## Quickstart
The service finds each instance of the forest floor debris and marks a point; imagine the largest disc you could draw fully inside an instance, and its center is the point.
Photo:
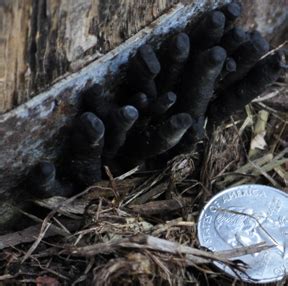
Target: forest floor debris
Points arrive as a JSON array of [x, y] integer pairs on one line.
[[140, 228]]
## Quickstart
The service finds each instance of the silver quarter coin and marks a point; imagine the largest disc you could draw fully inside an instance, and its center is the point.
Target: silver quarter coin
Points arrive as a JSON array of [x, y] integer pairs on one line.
[[243, 216]]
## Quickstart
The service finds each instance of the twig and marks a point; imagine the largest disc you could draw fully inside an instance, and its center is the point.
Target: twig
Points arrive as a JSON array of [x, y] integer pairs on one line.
[[253, 218], [37, 241], [164, 206], [29, 234], [155, 192], [193, 255]]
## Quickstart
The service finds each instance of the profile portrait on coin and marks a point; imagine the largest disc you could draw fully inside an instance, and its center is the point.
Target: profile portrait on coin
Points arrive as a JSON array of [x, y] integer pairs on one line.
[[240, 227]]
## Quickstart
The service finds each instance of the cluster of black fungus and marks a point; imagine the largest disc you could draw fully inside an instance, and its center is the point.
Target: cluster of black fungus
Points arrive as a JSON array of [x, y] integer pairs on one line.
[[210, 72]]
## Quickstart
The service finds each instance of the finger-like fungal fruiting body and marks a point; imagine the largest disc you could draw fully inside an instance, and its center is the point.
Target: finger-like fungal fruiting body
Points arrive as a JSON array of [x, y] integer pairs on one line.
[[163, 103], [264, 73], [173, 58], [194, 134], [198, 84], [142, 70], [95, 100], [159, 138], [246, 56], [140, 101], [208, 31], [87, 141], [119, 123], [146, 62], [233, 39], [229, 66], [232, 11], [42, 182]]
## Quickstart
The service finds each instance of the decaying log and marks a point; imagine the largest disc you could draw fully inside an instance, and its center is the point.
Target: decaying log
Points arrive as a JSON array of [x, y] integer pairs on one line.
[[60, 45], [35, 130]]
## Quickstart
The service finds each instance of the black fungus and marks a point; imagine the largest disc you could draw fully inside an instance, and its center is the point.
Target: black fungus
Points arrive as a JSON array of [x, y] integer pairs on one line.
[[194, 134], [233, 39], [173, 56], [119, 123], [159, 138], [142, 71], [146, 121], [162, 103], [229, 66], [208, 31], [140, 101], [264, 73], [198, 84], [95, 100], [86, 144], [232, 11], [42, 182], [246, 56]]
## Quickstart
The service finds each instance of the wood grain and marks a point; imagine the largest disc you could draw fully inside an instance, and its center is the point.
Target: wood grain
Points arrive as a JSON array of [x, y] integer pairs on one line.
[[42, 40]]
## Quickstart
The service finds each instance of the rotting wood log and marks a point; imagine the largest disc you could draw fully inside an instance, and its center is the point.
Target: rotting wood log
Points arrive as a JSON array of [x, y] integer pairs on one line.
[[36, 129]]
